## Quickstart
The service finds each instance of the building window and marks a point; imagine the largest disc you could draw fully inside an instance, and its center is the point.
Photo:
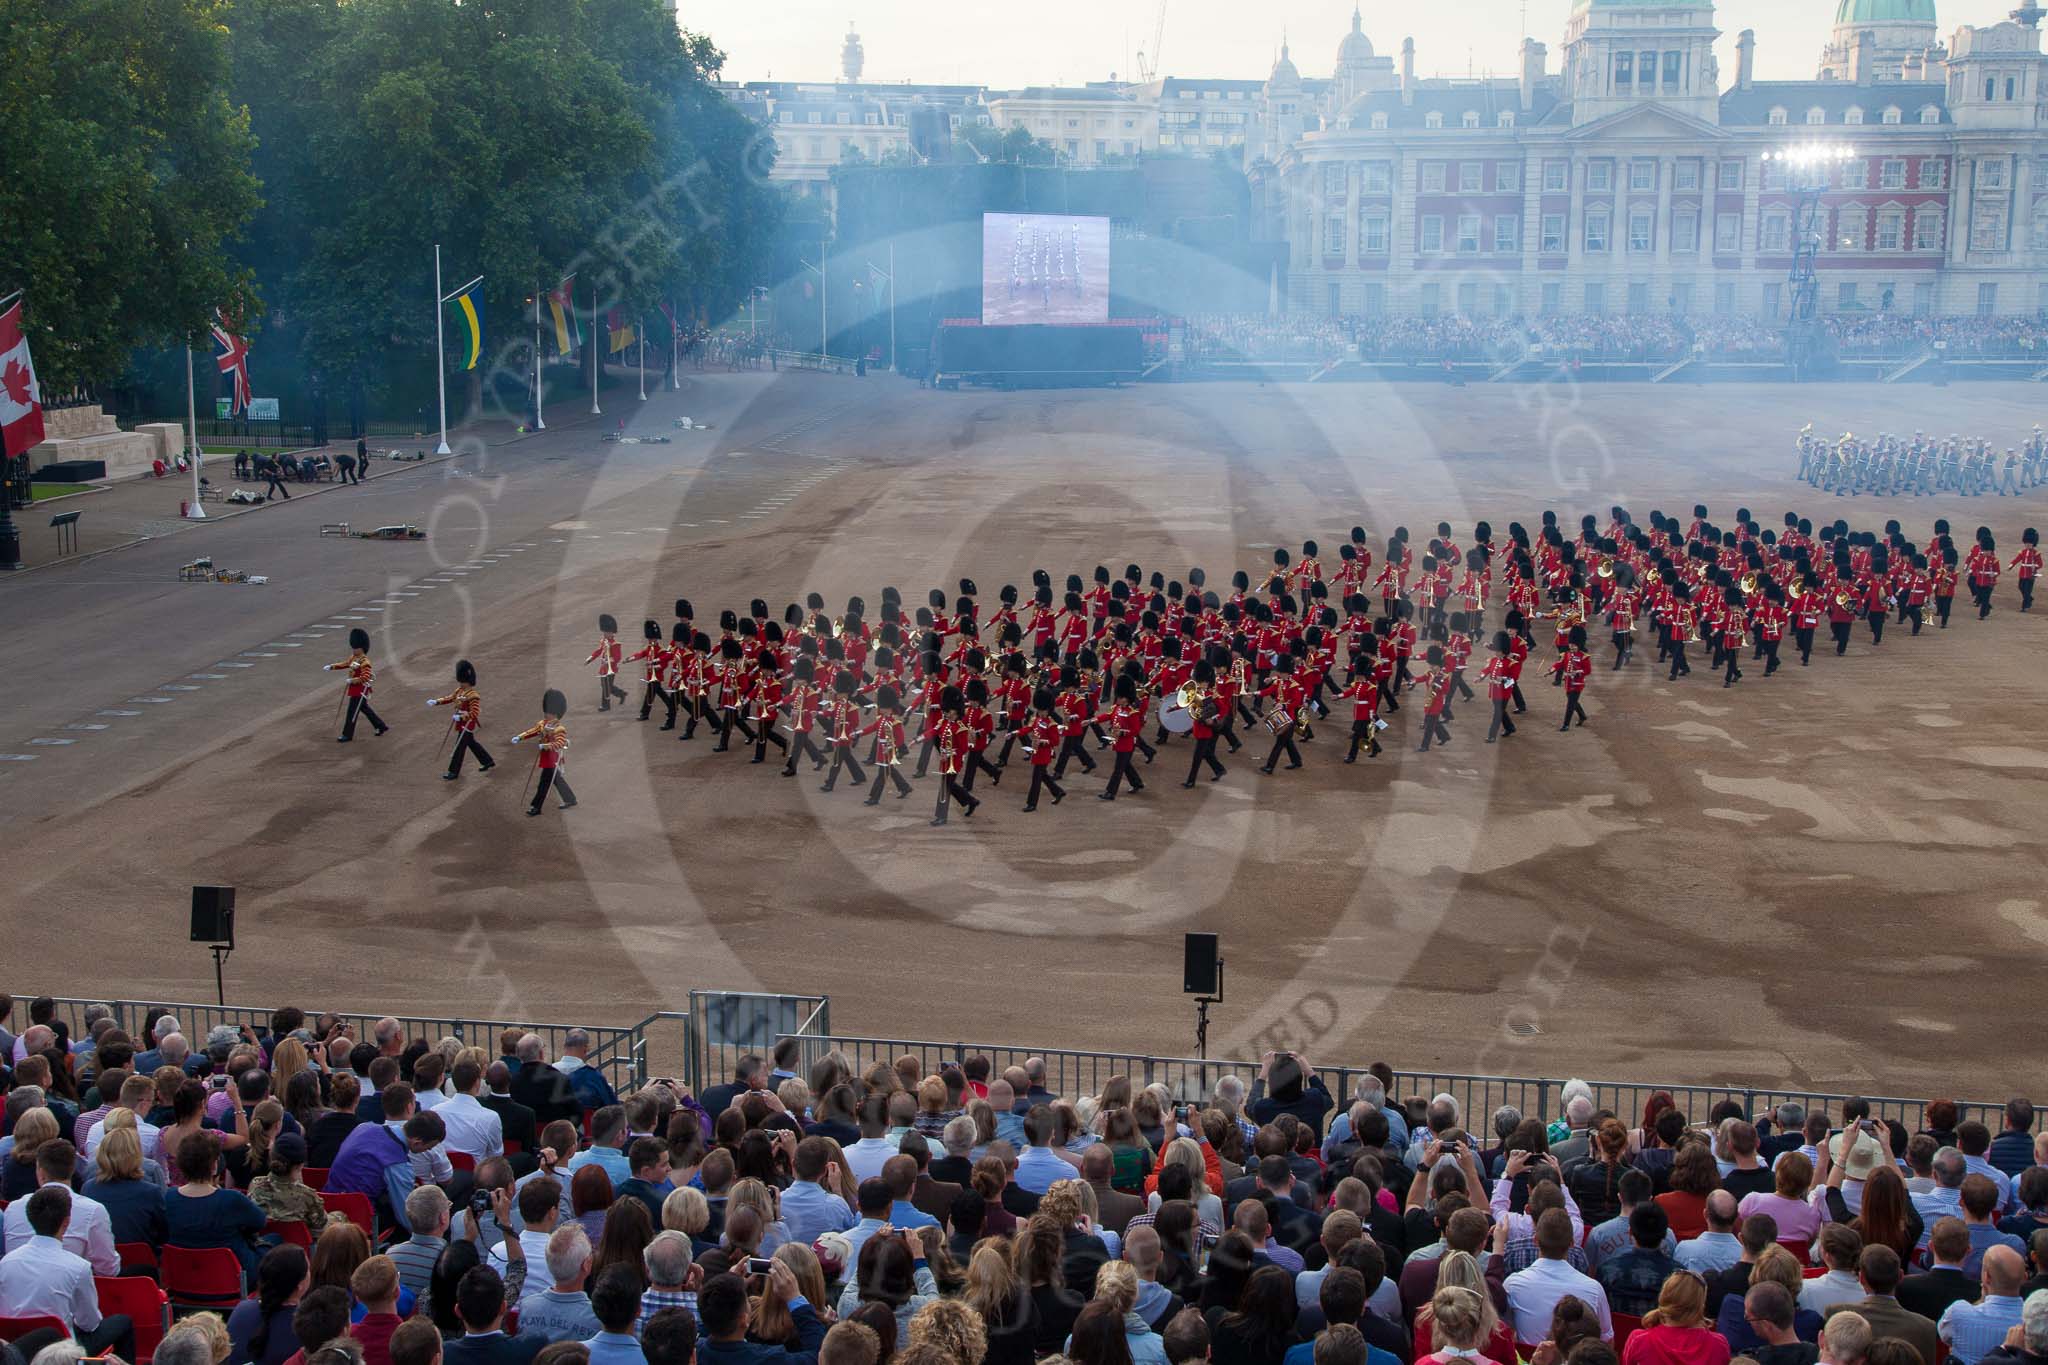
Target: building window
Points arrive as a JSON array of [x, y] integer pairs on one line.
[[1433, 119], [1600, 176], [1891, 174], [1672, 60], [1685, 231], [1724, 298], [1845, 294], [1596, 229], [1377, 177], [1639, 234], [1776, 232], [1468, 234], [1596, 300], [1816, 115], [1432, 232], [1777, 117], [1372, 234], [1432, 294], [1553, 234], [1681, 297], [1639, 298], [1551, 298], [1731, 175], [1852, 115], [1468, 177], [1554, 173], [2037, 231], [1774, 298], [843, 116], [1991, 174], [1468, 299], [2008, 87], [1728, 233], [1933, 173], [1432, 177], [1507, 232], [1506, 119], [1507, 177], [1333, 235], [1470, 119], [1851, 223], [1930, 113], [1333, 177], [1624, 70], [1642, 174], [1987, 300], [1774, 175], [1379, 119], [1927, 230], [1686, 175], [1101, 150], [1891, 114], [1891, 230]]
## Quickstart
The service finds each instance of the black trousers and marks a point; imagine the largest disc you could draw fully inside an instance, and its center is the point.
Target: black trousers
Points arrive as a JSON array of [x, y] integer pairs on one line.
[[1802, 636], [1070, 747], [1010, 738], [1942, 606], [924, 756], [1734, 664], [730, 720], [1205, 752], [1500, 724], [1876, 620], [1521, 703], [764, 738], [1982, 593], [1623, 642], [607, 688], [277, 489], [1041, 776], [1283, 742], [1122, 772], [1840, 630], [1362, 737], [552, 777], [804, 745], [1433, 727], [653, 694], [1227, 732], [887, 772], [1679, 667], [465, 743], [1917, 615], [842, 757], [360, 706], [1573, 708], [977, 761], [1770, 657], [950, 790], [2026, 594], [694, 707]]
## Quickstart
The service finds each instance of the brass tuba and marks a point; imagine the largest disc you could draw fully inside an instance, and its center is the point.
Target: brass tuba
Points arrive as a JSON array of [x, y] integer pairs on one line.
[[1750, 582]]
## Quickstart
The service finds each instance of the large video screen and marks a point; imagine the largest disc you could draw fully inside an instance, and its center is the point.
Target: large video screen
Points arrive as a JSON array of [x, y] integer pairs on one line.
[[1044, 268]]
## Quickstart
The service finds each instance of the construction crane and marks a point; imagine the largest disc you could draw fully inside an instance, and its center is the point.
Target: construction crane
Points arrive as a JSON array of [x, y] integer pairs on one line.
[[1148, 57]]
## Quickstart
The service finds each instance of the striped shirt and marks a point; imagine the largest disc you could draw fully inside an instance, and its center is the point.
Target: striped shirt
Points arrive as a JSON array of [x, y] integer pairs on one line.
[[415, 1261], [1973, 1329]]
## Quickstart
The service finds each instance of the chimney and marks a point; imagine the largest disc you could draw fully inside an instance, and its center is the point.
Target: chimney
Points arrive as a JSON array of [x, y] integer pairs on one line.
[[1863, 58], [1745, 59], [1532, 71], [1915, 67], [1407, 71]]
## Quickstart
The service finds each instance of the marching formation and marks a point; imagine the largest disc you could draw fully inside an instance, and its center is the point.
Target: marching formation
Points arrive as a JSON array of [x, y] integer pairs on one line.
[[1891, 466], [956, 689]]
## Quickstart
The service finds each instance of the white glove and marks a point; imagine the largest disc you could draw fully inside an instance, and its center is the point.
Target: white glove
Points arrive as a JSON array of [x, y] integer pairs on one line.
[[327, 668], [433, 701], [515, 739]]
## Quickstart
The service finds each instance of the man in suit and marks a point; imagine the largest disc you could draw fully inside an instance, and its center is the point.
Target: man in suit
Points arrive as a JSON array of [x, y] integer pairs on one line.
[[1116, 1207], [1878, 1269], [929, 1196], [519, 1124], [955, 1167], [723, 1313], [1575, 1146], [541, 1088], [749, 1073], [1931, 1292], [480, 1303]]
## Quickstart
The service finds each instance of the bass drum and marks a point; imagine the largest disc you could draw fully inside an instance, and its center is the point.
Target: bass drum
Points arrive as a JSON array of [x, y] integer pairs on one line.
[[1174, 716]]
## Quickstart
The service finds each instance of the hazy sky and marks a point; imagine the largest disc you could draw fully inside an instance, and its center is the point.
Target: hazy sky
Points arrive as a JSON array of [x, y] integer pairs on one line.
[[1001, 43]]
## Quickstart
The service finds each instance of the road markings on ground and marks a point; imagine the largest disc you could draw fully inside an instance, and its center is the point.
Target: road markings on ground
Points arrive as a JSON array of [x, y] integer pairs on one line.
[[150, 701], [120, 713], [17, 758], [230, 663], [180, 687], [211, 677], [307, 635], [53, 741], [84, 725], [256, 654]]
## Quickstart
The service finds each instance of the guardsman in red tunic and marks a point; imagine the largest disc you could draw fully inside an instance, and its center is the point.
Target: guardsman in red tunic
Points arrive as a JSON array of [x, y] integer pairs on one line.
[[1574, 667], [1770, 624], [1945, 585], [733, 679], [1013, 704], [469, 706], [1074, 709], [1984, 569], [1046, 734], [1124, 719], [1681, 618], [981, 732], [803, 713], [2027, 564], [1436, 685], [653, 660], [1208, 710], [1364, 696], [696, 682], [1806, 608], [1621, 616], [767, 705], [606, 657], [1842, 606], [1283, 717], [361, 676], [842, 727], [554, 748], [1734, 628], [1877, 594], [1498, 674], [1913, 594], [953, 738], [890, 742], [675, 663]]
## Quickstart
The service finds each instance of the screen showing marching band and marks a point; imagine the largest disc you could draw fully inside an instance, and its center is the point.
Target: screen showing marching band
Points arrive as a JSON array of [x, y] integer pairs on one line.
[[1044, 268]]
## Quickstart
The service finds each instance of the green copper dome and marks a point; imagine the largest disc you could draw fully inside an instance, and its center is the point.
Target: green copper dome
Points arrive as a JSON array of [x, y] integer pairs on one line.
[[1885, 12]]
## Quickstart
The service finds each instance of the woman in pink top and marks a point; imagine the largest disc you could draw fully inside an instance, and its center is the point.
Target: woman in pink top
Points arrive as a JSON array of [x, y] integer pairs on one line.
[[1675, 1332], [1798, 1220]]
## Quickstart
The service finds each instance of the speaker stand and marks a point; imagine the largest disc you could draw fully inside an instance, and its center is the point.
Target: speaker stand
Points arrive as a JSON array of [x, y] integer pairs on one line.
[[1202, 1003], [220, 957]]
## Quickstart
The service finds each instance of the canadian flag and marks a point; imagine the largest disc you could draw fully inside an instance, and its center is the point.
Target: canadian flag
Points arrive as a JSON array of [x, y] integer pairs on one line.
[[21, 402]]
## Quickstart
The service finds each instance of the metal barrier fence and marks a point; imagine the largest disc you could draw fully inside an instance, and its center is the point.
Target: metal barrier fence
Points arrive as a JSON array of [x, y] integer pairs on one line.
[[1073, 1072]]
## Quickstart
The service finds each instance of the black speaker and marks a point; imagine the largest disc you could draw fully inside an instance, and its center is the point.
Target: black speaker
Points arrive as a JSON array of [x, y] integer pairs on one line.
[[213, 915], [1198, 975]]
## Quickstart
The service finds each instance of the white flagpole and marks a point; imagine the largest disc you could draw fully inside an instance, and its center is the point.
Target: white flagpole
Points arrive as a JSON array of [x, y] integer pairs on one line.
[[193, 511], [596, 356], [675, 356], [640, 354], [892, 306], [539, 422], [440, 359]]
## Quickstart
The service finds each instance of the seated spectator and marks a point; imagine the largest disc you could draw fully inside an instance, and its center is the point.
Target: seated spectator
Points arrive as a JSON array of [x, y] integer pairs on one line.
[[199, 1213], [1887, 1217], [319, 1321], [1883, 1314], [374, 1288], [590, 1197], [1974, 1330], [1098, 1337], [1533, 1293], [427, 1213], [1945, 1281], [1462, 1322], [280, 1191], [1634, 1280], [1797, 1219], [31, 1131], [1840, 1248], [261, 1326], [1693, 1177], [1716, 1248], [332, 1127], [134, 1205], [723, 1314], [1774, 1264], [562, 1312], [615, 1302], [41, 1278], [1980, 1195], [1768, 1310], [1260, 1329], [1572, 1324], [891, 1270], [88, 1230], [1460, 1270], [480, 1306], [1675, 1332]]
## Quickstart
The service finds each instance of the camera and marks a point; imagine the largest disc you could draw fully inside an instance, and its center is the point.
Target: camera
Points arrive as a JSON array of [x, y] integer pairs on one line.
[[758, 1265], [479, 1202]]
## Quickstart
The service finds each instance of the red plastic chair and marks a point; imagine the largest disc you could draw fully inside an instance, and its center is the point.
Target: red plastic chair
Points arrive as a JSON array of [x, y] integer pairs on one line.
[[136, 1257], [461, 1161], [513, 1146], [314, 1176], [1624, 1325], [14, 1329], [209, 1277], [146, 1305], [292, 1231], [354, 1206]]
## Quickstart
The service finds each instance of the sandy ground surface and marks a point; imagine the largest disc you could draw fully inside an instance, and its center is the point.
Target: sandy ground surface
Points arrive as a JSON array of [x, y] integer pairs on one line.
[[1832, 879]]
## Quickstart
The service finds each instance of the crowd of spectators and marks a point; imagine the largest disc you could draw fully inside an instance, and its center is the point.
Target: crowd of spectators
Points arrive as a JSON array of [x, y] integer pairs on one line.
[[901, 1213], [1629, 338]]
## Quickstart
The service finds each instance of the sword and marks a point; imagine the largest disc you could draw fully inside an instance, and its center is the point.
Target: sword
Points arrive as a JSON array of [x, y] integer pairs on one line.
[[444, 739]]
